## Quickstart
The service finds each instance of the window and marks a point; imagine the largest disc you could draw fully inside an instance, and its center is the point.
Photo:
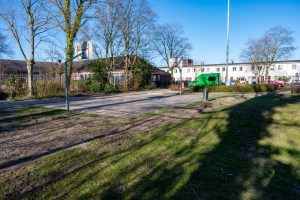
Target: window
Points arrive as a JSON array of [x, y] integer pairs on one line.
[[188, 70], [272, 67], [175, 70], [194, 69], [211, 78], [202, 69], [294, 66], [234, 69], [218, 69], [207, 69], [279, 67], [241, 68], [223, 69]]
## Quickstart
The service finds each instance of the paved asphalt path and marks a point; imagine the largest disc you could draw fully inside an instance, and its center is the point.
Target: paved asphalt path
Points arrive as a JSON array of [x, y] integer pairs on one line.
[[116, 105]]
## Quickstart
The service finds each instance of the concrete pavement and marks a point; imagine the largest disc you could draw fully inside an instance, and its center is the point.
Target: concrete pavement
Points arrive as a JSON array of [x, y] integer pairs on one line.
[[116, 105]]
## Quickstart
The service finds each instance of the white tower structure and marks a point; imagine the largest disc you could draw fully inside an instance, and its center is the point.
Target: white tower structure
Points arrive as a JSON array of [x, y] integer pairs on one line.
[[86, 48]]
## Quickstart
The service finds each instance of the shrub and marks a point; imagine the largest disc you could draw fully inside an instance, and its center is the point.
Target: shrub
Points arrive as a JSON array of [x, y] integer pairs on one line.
[[48, 88], [95, 87], [100, 75], [109, 88], [284, 79], [238, 88], [149, 87], [83, 86], [141, 74], [15, 87]]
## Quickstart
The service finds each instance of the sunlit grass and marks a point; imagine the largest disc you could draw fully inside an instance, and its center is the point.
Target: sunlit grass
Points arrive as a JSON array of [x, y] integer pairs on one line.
[[248, 151]]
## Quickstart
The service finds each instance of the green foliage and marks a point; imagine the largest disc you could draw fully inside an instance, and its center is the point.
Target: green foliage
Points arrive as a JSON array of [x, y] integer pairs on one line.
[[95, 86], [109, 88], [150, 86], [141, 74], [48, 88], [83, 85], [238, 88], [100, 75], [284, 79]]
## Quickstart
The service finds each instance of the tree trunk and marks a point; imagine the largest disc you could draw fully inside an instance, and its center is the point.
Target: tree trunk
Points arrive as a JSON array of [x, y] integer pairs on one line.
[[126, 73], [267, 74], [256, 74], [30, 62], [30, 78], [69, 55]]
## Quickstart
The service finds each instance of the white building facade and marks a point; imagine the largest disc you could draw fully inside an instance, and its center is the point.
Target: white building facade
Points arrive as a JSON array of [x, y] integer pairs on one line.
[[242, 72]]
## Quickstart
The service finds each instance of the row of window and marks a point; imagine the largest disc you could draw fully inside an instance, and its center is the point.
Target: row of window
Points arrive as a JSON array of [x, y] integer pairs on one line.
[[279, 67]]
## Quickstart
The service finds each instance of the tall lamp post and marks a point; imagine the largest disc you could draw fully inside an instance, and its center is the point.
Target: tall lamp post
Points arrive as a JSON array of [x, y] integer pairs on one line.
[[83, 56], [227, 47]]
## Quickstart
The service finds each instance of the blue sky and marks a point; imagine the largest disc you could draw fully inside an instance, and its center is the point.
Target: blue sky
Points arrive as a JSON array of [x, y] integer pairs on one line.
[[204, 23]]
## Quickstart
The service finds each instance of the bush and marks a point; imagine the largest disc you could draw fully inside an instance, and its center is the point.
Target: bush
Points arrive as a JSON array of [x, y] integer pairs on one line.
[[238, 88], [48, 88], [95, 87], [83, 86], [141, 74], [149, 87], [15, 87], [100, 75], [109, 88]]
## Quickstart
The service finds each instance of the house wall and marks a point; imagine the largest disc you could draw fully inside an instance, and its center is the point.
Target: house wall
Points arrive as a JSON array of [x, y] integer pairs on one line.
[[81, 75], [242, 71]]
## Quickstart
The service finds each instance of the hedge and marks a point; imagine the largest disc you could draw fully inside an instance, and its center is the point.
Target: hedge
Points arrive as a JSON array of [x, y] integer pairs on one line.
[[239, 88]]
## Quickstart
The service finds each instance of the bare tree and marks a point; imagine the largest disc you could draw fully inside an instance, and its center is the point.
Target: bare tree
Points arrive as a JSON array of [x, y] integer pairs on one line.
[[72, 16], [135, 20], [168, 42], [54, 55], [277, 43], [28, 24], [5, 48], [108, 30], [253, 54]]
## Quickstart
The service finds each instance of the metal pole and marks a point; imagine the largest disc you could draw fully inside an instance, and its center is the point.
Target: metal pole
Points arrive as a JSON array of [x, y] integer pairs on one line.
[[227, 48], [180, 81], [67, 86]]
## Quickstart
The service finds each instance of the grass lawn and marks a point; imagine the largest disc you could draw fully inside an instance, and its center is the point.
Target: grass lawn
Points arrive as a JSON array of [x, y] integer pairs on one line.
[[247, 151]]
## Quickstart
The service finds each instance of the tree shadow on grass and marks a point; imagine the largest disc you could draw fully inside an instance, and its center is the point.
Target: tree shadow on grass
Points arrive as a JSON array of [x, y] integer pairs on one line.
[[222, 159], [238, 167]]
